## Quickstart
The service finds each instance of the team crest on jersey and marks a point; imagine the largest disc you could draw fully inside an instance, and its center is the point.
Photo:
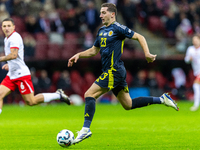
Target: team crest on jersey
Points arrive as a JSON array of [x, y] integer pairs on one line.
[[110, 33], [101, 34]]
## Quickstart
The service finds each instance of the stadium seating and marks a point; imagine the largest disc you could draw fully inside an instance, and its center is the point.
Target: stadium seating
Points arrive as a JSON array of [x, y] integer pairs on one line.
[[67, 51], [41, 36], [129, 77], [54, 79], [190, 79], [41, 50], [160, 79], [127, 54], [155, 24], [54, 51], [19, 24], [71, 39], [77, 83], [89, 79]]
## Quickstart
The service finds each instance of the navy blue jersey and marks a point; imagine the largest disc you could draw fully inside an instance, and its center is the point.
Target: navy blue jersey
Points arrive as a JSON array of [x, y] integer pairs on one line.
[[110, 40]]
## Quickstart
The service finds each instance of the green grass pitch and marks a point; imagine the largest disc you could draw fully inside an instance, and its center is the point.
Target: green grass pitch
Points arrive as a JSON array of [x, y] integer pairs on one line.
[[155, 127]]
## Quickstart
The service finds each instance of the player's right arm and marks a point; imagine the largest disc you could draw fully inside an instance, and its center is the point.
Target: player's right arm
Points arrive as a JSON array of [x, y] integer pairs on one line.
[[85, 54], [141, 39], [13, 55]]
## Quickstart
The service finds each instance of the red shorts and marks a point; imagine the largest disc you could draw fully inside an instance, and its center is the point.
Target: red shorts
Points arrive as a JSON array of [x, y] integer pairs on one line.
[[24, 84]]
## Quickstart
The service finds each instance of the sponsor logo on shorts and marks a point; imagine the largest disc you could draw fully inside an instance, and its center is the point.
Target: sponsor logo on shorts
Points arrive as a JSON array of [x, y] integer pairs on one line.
[[23, 91]]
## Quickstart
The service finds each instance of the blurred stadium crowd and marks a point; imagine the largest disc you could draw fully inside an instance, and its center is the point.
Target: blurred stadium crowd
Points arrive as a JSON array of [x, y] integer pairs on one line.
[[57, 29]]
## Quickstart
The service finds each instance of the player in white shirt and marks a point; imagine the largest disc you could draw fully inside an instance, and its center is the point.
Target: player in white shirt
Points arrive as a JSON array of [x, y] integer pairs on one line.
[[18, 75], [193, 57]]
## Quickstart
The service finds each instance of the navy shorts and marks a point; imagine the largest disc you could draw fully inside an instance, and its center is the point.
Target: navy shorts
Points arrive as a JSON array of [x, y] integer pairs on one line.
[[113, 79]]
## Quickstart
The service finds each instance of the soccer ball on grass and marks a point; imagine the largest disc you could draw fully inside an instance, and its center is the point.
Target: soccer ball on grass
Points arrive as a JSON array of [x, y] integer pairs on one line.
[[65, 138]]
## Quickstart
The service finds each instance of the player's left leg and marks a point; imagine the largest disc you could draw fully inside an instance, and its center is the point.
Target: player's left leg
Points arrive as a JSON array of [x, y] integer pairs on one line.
[[31, 100], [26, 89], [128, 103]]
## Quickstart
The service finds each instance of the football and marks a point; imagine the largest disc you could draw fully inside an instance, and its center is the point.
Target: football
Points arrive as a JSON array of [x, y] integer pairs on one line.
[[65, 138]]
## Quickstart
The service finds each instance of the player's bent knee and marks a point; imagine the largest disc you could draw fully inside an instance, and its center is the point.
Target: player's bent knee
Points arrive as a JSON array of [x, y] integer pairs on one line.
[[30, 103], [88, 94], [1, 96], [126, 107]]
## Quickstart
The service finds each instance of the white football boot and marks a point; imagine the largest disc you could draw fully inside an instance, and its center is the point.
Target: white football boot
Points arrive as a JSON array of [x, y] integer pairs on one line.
[[83, 134], [168, 101], [63, 96]]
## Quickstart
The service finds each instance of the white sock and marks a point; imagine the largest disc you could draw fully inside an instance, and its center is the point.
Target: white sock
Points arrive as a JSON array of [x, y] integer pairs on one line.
[[50, 96], [0, 111], [162, 100], [85, 128], [196, 88]]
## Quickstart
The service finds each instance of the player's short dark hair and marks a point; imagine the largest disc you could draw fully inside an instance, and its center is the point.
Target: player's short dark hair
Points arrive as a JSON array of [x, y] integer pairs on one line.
[[9, 19], [111, 7]]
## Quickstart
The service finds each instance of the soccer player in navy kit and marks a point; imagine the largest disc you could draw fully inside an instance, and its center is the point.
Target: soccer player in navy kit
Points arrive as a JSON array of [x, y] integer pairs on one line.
[[109, 42]]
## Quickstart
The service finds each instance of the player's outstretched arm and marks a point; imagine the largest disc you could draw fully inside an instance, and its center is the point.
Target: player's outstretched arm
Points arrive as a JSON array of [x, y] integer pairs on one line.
[[85, 54], [149, 57]]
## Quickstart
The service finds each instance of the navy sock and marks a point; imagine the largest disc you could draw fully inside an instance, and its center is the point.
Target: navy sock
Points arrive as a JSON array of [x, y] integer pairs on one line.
[[141, 102], [89, 111], [144, 101]]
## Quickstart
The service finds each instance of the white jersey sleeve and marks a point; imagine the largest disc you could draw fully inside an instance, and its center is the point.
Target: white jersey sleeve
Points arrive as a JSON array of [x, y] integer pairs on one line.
[[17, 67]]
